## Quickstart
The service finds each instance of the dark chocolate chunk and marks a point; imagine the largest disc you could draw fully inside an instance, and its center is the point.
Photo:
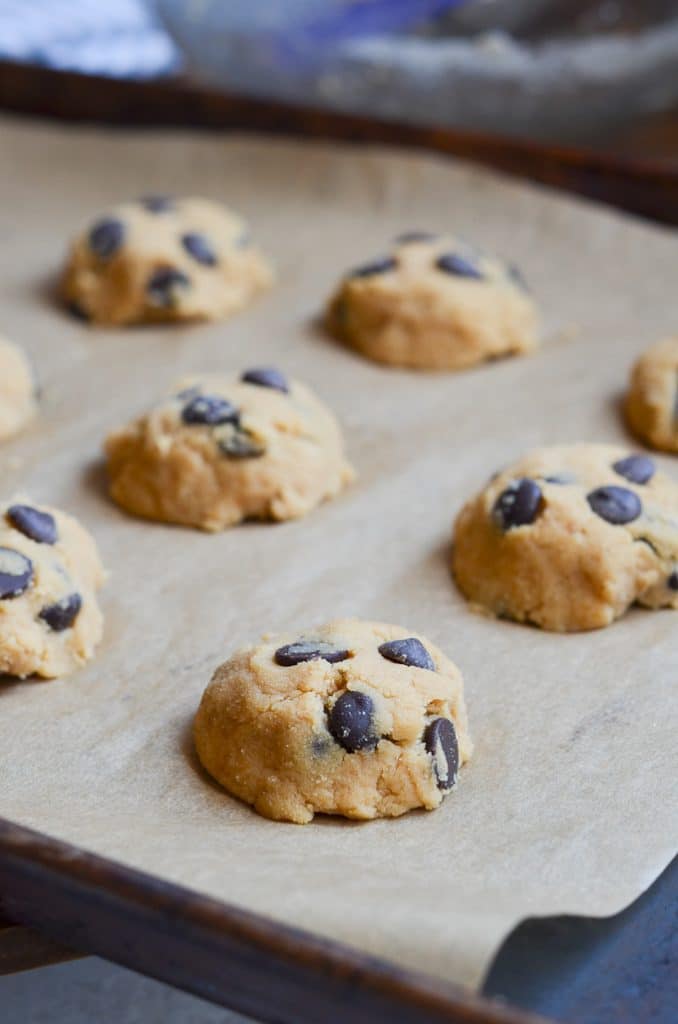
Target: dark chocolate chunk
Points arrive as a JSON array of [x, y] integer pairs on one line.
[[639, 469], [415, 236], [16, 573], [199, 248], [616, 505], [309, 650], [409, 651], [350, 721], [672, 581], [440, 740], [266, 377], [240, 443], [518, 505], [380, 266], [157, 204], [39, 526], [106, 237], [210, 410], [452, 263], [62, 614], [163, 285]]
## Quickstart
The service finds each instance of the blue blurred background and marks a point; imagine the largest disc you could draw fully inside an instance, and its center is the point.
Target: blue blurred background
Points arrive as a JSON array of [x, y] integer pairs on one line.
[[552, 69]]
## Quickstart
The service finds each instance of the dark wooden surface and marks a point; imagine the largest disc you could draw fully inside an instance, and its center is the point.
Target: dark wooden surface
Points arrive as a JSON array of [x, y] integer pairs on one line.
[[228, 956], [642, 185]]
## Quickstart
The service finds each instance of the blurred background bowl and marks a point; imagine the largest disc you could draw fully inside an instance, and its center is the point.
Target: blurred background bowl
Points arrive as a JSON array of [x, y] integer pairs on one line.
[[552, 69]]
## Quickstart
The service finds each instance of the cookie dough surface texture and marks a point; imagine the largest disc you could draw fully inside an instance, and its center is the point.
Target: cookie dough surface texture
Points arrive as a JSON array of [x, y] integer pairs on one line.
[[18, 391], [569, 538], [354, 718], [434, 303], [652, 399], [50, 570], [163, 259], [221, 449]]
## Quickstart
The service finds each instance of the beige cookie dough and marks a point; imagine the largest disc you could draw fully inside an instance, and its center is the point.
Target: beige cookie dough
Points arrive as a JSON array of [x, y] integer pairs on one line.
[[18, 390], [220, 449], [163, 259], [568, 538], [50, 570], [353, 718], [652, 399], [434, 303]]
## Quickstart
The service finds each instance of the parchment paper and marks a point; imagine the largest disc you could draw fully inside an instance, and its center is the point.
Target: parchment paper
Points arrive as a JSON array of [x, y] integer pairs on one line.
[[569, 804]]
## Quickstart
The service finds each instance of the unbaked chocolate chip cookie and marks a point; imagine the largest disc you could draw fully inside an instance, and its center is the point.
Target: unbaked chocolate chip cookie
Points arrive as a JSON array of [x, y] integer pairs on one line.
[[652, 399], [163, 259], [18, 390], [434, 303], [352, 718], [50, 571], [220, 449], [570, 537]]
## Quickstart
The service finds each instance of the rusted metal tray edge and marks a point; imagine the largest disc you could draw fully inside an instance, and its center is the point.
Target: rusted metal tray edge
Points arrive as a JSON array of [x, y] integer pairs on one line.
[[216, 951], [644, 187]]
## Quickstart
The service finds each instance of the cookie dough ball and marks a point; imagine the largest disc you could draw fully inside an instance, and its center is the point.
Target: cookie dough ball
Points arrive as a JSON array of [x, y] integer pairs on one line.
[[434, 303], [652, 399], [352, 718], [18, 391], [50, 571], [163, 259], [221, 449], [570, 537]]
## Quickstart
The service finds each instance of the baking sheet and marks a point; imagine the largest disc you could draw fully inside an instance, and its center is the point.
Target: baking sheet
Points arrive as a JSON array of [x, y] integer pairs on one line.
[[569, 804]]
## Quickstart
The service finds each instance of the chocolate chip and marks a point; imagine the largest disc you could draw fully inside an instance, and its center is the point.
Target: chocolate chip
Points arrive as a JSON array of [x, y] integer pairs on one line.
[[16, 573], [39, 526], [452, 263], [106, 237], [163, 285], [440, 740], [199, 248], [381, 266], [157, 204], [350, 721], [672, 581], [639, 469], [409, 651], [266, 377], [309, 650], [615, 505], [210, 410], [239, 443], [62, 614], [415, 236], [518, 505]]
